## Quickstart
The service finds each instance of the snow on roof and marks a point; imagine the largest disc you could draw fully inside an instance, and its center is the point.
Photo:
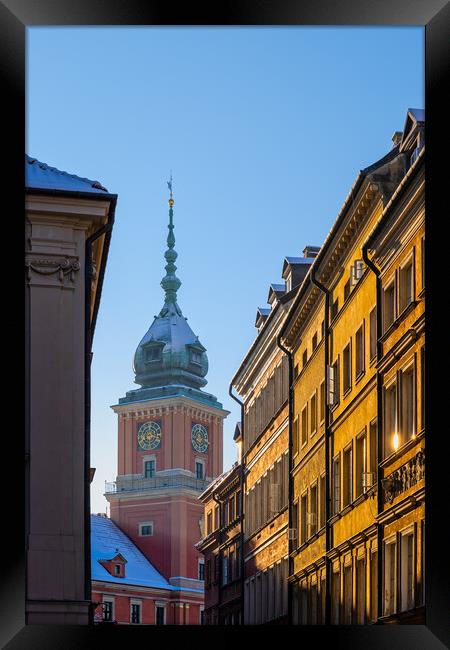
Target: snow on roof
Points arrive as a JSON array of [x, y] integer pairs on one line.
[[278, 287], [299, 260], [39, 175], [106, 541]]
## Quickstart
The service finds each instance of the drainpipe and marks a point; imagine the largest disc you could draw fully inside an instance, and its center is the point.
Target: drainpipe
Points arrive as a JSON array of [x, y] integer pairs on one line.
[[377, 272], [219, 586], [325, 291], [241, 479], [88, 336], [290, 479]]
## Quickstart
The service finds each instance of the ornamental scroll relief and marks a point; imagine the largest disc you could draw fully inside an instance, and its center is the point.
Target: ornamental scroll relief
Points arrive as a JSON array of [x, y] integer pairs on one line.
[[63, 267], [404, 477]]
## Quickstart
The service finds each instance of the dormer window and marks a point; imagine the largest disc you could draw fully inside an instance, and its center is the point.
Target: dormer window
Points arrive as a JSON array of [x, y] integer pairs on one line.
[[117, 569], [196, 356], [153, 352], [115, 565]]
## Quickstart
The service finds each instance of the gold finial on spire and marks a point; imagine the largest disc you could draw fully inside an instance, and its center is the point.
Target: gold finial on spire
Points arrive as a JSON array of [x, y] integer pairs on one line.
[[169, 185]]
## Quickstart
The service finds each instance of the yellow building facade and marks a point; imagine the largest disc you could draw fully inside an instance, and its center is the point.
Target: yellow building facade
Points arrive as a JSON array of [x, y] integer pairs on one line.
[[355, 339]]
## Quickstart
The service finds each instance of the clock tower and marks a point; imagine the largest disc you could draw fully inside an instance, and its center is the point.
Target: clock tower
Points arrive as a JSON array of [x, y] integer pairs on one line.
[[169, 445]]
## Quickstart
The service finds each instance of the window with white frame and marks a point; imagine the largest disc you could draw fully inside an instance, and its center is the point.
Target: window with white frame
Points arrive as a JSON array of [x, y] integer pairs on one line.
[[390, 576], [407, 570], [149, 467], [108, 608], [135, 611], [146, 529]]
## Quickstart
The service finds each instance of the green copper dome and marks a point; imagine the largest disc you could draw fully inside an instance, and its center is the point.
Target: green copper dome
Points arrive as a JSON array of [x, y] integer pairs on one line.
[[170, 353]]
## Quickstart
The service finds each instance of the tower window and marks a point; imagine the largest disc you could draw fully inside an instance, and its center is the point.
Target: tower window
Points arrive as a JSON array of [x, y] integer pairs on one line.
[[153, 353], [199, 470], [146, 529], [149, 468], [196, 356]]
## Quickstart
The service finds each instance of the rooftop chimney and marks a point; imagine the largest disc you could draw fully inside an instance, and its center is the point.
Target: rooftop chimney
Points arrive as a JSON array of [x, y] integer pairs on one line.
[[397, 137], [311, 251]]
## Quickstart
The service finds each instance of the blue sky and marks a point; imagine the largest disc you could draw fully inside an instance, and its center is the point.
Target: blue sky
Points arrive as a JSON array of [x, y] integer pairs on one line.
[[265, 130]]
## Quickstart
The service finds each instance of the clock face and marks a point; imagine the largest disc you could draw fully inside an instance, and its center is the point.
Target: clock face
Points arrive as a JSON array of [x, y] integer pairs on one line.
[[199, 438], [149, 435]]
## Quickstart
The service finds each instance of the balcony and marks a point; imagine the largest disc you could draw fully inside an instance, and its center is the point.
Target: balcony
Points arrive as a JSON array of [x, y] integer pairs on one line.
[[141, 484]]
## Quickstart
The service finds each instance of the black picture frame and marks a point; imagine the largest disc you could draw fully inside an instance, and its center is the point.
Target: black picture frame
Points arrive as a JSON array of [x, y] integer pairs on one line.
[[434, 15]]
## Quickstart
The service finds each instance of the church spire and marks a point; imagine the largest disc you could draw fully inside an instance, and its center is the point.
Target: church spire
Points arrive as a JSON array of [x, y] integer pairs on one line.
[[170, 283]]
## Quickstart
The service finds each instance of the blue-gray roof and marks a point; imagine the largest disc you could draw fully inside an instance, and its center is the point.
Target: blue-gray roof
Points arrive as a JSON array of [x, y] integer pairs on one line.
[[106, 541], [39, 175], [299, 260]]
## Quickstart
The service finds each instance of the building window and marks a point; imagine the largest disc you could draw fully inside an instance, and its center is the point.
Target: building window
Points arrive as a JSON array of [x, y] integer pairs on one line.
[[323, 498], [322, 401], [209, 523], [199, 470], [334, 308], [388, 306], [201, 570], [314, 341], [295, 522], [117, 569], [336, 485], [406, 285], [407, 571], [360, 591], [153, 353], [347, 596], [238, 503], [390, 577], [313, 604], [333, 384], [304, 425], [295, 437], [361, 471], [216, 518], [335, 597], [408, 429], [135, 613], [196, 357], [313, 510], [422, 386], [303, 512], [322, 329], [347, 368], [313, 416], [149, 468], [373, 333], [107, 610], [347, 493], [146, 529], [374, 586], [373, 450], [359, 351], [202, 616], [305, 358], [231, 508], [160, 612], [391, 439], [224, 570], [346, 289]]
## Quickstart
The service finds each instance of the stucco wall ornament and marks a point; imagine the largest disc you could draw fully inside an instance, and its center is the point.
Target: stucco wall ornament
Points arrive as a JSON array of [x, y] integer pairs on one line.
[[63, 267]]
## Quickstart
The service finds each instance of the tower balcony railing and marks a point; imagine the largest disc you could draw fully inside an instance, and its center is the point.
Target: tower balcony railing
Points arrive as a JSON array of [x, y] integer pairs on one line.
[[140, 484]]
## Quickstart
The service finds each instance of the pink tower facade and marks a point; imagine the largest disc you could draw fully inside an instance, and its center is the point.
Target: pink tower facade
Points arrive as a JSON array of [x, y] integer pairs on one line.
[[170, 436]]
